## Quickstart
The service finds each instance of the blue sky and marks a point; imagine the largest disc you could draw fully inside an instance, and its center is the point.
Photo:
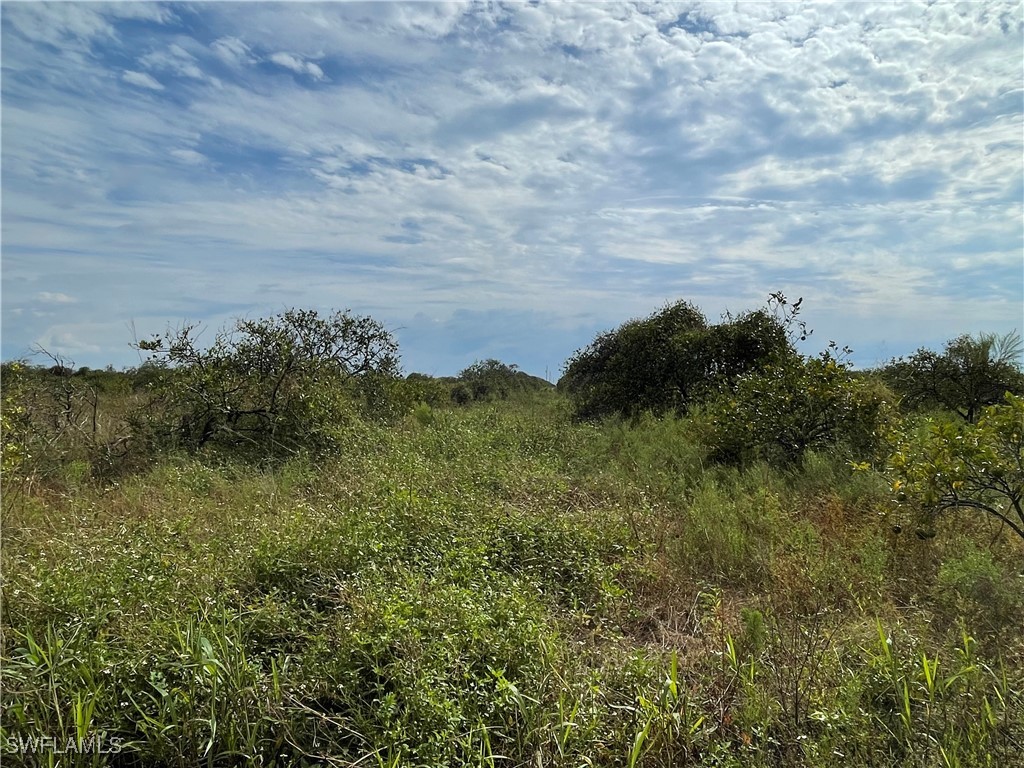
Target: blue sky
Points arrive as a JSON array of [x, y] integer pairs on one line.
[[507, 180]]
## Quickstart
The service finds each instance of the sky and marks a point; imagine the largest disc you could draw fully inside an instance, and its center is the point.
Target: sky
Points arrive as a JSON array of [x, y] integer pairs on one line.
[[505, 181]]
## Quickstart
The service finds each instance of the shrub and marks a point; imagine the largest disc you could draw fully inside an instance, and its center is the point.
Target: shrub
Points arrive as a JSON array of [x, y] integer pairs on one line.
[[490, 380], [965, 466], [673, 358], [779, 413], [15, 424], [426, 389], [272, 384], [52, 417]]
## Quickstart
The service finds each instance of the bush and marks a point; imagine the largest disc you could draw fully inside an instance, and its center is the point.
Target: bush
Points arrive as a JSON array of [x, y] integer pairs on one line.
[[965, 466], [426, 389], [268, 385], [490, 380], [779, 413], [15, 424], [674, 358]]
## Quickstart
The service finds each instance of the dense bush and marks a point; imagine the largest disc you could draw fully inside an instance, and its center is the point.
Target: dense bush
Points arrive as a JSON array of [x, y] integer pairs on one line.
[[948, 466], [489, 380], [427, 389], [780, 412], [672, 359], [271, 384]]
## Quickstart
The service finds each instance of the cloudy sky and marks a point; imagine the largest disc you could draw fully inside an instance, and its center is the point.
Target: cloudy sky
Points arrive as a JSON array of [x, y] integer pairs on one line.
[[507, 180]]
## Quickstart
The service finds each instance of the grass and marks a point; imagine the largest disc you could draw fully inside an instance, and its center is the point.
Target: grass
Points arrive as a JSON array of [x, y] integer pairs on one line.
[[498, 586]]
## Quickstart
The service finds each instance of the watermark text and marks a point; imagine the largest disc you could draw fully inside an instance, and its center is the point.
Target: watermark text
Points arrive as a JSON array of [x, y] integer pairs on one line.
[[94, 744]]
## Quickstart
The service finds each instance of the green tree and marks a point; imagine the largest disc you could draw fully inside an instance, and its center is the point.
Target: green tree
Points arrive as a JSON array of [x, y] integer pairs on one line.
[[673, 358], [970, 374], [648, 364], [275, 382], [965, 466], [493, 380]]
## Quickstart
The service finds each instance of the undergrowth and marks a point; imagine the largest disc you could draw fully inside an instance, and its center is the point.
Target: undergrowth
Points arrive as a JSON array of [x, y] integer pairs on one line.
[[499, 586]]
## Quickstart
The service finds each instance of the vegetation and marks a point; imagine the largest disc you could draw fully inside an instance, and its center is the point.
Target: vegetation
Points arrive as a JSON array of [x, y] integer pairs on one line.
[[970, 374], [780, 412], [413, 582], [273, 381], [967, 466], [493, 380], [673, 359]]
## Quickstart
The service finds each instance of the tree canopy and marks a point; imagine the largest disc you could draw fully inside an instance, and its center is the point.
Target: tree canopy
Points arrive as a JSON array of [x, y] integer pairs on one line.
[[493, 380], [972, 372], [671, 359], [266, 382]]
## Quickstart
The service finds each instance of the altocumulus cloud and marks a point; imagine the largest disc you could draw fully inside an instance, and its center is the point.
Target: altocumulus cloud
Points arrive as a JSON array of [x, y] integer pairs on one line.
[[506, 180]]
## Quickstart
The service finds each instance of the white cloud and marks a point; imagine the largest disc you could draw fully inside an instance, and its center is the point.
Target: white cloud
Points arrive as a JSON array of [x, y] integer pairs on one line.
[[54, 297], [173, 59], [189, 156], [63, 24], [232, 51], [295, 64], [141, 79], [79, 25]]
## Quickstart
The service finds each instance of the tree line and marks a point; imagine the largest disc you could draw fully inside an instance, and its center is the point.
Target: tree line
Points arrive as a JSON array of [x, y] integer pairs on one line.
[[946, 426]]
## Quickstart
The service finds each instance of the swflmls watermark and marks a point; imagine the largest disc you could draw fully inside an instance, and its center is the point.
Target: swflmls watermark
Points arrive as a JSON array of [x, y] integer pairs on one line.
[[94, 744]]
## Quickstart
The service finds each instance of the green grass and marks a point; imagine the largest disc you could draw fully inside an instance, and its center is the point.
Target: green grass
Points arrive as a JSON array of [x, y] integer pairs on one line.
[[497, 586]]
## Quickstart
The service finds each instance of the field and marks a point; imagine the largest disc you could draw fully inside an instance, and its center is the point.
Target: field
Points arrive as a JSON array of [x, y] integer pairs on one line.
[[498, 584]]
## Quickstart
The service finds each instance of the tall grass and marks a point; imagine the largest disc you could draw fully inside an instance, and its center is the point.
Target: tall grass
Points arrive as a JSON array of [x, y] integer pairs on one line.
[[498, 586]]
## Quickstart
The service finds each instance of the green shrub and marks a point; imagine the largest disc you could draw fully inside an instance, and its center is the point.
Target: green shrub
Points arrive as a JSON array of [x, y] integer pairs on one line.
[[673, 358], [948, 466], [15, 421], [780, 413], [423, 414], [272, 385], [426, 389], [490, 380]]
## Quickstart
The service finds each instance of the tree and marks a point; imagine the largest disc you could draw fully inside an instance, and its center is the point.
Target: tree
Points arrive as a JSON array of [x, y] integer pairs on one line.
[[643, 365], [493, 380], [970, 374], [673, 358], [966, 466], [270, 382]]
